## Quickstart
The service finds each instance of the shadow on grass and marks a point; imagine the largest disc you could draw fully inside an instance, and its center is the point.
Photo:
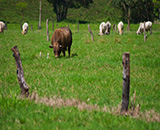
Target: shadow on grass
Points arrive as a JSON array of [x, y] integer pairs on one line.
[[74, 54]]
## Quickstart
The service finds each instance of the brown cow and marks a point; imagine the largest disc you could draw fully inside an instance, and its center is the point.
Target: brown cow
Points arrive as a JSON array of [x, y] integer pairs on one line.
[[61, 39]]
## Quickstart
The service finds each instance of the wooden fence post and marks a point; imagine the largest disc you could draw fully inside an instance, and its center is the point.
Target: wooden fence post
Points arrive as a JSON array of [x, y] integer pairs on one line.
[[21, 25], [47, 30], [78, 26], [126, 82], [90, 32], [20, 75], [114, 27], [6, 25], [145, 36], [31, 27]]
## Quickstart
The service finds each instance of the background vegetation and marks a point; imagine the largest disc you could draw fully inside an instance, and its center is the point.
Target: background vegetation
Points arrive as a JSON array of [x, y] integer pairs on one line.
[[83, 10]]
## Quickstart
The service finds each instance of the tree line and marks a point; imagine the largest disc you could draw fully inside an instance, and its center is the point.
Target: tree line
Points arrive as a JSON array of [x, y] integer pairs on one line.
[[133, 10]]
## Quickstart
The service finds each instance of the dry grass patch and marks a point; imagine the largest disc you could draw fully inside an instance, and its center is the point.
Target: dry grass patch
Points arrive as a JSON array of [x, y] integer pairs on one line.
[[133, 111]]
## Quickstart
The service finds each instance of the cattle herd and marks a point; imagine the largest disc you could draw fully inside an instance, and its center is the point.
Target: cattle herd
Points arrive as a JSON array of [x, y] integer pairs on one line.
[[62, 38]]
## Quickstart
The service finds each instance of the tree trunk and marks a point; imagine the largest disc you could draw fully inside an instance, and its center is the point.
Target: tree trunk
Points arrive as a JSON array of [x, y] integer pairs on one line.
[[127, 13], [61, 10], [128, 19]]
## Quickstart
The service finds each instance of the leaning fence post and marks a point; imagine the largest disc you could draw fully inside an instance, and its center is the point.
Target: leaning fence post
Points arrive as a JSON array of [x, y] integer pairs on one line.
[[47, 30], [20, 75], [145, 36], [90, 32], [126, 81]]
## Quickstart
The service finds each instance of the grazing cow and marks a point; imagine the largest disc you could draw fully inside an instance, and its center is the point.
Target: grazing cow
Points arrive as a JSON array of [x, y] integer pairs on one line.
[[2, 26], [105, 28], [148, 27], [120, 28], [25, 28], [61, 39], [108, 27]]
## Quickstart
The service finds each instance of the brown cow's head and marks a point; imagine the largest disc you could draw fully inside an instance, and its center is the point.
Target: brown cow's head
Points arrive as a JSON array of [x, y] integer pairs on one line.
[[57, 49]]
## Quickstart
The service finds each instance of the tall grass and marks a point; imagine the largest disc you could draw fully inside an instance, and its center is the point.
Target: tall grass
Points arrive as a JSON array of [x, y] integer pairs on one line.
[[93, 74]]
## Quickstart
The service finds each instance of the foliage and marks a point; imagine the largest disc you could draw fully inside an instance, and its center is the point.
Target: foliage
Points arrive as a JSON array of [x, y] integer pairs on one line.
[[61, 6], [156, 8], [140, 10], [21, 6], [11, 10]]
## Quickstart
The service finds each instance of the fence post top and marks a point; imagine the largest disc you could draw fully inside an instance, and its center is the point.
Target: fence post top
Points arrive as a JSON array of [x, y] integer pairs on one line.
[[127, 53]]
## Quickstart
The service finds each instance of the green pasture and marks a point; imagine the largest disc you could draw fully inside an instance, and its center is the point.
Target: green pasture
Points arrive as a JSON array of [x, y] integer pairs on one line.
[[93, 74]]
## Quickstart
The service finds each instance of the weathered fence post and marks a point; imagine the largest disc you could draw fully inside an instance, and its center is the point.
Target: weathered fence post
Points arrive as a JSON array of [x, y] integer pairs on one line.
[[114, 27], [20, 75], [126, 81], [31, 27], [21, 25], [90, 32], [145, 36], [78, 26], [6, 25], [47, 30]]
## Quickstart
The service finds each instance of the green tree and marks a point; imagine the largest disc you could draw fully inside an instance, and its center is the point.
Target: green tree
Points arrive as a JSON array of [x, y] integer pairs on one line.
[[61, 6], [126, 6], [157, 8], [135, 10], [21, 6], [143, 11]]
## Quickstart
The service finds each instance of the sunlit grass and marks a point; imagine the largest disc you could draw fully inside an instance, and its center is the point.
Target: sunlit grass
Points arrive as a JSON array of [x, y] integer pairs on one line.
[[92, 74]]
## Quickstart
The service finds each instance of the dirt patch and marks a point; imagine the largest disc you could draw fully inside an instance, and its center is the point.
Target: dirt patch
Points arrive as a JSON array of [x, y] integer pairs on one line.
[[133, 111]]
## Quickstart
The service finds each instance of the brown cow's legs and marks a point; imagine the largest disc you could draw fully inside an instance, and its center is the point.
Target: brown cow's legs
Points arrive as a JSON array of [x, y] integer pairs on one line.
[[64, 53], [69, 48]]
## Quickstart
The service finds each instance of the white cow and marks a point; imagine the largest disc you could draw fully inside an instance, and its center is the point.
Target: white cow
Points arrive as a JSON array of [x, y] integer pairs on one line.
[[148, 27], [108, 27], [2, 26], [120, 27], [105, 28], [25, 28]]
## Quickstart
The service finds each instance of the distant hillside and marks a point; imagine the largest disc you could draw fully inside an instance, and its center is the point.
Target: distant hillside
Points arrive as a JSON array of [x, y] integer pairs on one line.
[[98, 11], [10, 12]]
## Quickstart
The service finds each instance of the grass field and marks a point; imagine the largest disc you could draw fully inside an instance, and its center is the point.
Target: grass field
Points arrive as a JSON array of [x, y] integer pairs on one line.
[[92, 75]]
